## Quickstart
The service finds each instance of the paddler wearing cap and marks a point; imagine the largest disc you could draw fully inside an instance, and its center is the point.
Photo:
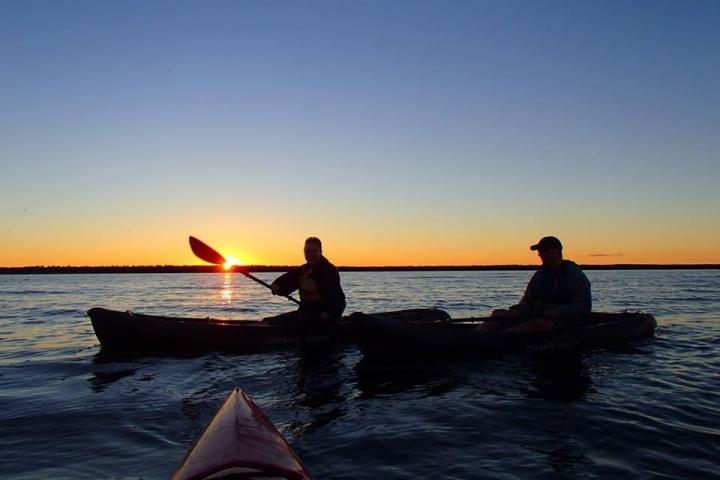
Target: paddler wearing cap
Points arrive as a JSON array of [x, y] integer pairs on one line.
[[557, 297]]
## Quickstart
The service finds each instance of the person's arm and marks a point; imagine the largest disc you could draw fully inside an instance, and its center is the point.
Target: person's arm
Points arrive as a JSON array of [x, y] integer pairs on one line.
[[527, 303], [287, 283], [333, 295]]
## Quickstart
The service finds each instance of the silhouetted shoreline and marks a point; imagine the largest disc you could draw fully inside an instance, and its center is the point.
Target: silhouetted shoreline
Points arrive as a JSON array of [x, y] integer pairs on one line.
[[283, 268]]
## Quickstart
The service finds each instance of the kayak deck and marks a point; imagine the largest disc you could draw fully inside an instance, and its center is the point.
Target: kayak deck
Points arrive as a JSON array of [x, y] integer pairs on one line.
[[120, 331], [460, 337], [240, 442]]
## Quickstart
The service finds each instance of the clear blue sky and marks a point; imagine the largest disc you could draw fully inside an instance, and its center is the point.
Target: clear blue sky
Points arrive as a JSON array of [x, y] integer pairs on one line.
[[439, 132]]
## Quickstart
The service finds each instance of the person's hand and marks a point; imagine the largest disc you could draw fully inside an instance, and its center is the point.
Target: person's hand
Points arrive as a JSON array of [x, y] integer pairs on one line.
[[324, 317], [275, 289]]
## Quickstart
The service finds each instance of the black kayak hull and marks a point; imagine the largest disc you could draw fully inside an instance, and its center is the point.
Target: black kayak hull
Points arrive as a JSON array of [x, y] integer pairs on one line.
[[120, 331], [387, 336]]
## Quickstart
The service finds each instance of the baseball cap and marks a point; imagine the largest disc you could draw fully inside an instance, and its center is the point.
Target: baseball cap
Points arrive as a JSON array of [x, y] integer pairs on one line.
[[546, 243]]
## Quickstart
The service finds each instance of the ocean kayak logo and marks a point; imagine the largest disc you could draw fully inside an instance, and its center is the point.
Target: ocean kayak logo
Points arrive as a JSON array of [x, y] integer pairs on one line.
[[295, 340], [550, 347]]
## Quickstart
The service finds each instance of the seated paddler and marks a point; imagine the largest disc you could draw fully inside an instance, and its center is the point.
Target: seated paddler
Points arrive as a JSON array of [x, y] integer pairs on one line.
[[557, 297], [322, 300]]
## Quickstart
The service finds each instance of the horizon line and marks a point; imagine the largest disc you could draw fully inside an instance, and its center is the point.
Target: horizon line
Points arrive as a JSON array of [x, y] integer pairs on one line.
[[39, 269]]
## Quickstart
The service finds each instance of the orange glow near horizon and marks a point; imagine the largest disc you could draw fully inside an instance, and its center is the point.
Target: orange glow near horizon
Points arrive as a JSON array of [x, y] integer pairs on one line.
[[348, 256], [360, 257], [132, 248]]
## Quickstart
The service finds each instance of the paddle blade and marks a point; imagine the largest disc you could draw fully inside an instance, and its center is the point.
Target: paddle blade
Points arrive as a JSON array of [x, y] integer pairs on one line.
[[204, 252]]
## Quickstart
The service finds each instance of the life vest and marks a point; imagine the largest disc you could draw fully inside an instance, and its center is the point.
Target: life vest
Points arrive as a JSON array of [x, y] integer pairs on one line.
[[309, 291], [552, 287]]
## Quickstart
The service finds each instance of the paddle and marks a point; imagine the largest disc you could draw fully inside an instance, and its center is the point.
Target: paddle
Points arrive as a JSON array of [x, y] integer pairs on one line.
[[474, 320], [477, 320], [210, 255]]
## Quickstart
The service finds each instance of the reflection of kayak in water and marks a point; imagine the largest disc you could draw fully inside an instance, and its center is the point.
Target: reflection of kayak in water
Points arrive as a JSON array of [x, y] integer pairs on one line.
[[136, 332], [459, 337], [240, 442]]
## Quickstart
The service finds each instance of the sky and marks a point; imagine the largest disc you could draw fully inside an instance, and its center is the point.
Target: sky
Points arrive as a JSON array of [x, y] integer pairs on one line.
[[400, 133]]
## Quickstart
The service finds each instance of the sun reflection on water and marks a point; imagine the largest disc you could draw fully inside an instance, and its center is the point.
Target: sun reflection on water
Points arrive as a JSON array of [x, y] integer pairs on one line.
[[226, 294]]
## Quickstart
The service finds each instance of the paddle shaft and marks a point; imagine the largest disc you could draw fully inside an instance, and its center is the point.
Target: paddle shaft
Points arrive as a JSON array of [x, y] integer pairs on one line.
[[205, 252], [265, 284], [480, 319]]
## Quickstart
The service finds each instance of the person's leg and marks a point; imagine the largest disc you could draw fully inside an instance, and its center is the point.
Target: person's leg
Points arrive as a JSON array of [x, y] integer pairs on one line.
[[295, 317], [491, 326], [499, 323]]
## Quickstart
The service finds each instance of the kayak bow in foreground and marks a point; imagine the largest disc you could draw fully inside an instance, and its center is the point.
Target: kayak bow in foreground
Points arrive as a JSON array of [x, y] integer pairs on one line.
[[240, 442]]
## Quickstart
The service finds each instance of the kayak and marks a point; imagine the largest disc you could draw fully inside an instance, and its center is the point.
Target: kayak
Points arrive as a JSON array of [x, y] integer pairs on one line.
[[390, 336], [135, 332], [240, 442]]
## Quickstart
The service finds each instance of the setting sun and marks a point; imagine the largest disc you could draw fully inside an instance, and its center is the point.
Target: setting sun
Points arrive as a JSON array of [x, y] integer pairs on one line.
[[230, 262]]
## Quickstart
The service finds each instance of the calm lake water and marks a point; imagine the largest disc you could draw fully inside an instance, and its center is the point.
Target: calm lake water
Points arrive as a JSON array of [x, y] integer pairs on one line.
[[651, 410]]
